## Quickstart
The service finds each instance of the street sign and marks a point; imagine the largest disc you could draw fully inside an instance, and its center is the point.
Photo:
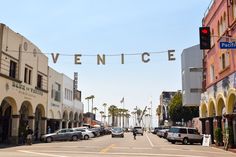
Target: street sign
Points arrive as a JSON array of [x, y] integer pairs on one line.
[[228, 45]]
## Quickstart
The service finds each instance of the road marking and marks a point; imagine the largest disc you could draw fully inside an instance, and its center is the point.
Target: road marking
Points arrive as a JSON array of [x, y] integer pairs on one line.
[[128, 154], [149, 141], [43, 154], [105, 150]]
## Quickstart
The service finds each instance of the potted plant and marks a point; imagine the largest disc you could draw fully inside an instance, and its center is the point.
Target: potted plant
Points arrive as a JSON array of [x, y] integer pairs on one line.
[[218, 137]]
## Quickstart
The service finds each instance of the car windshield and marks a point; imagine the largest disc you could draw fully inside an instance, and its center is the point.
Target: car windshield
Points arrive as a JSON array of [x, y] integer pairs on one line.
[[117, 129]]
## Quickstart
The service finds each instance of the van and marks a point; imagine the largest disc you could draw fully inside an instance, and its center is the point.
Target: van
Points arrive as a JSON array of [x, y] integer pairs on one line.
[[184, 134]]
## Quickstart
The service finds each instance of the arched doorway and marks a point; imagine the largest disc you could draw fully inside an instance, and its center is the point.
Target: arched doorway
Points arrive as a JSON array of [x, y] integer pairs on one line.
[[5, 121], [25, 113], [70, 125], [231, 105], [76, 119], [80, 119], [65, 119], [38, 127]]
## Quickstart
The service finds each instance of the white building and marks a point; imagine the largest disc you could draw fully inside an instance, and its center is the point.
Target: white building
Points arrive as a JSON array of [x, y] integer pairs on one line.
[[191, 61], [54, 108]]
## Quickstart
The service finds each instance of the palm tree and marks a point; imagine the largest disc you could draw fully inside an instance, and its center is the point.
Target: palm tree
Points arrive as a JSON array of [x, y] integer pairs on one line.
[[124, 111], [101, 112], [139, 112], [95, 109], [112, 110], [87, 98], [92, 97], [104, 105]]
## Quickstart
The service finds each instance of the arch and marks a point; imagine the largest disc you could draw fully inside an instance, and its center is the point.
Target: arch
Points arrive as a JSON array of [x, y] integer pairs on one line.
[[65, 115], [211, 108], [51, 114], [28, 106], [203, 110], [220, 104], [11, 101], [71, 115], [80, 117], [41, 108], [59, 115], [231, 101], [76, 117]]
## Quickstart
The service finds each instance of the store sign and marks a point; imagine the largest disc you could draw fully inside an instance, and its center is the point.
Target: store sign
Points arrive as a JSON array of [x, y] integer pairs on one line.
[[26, 90]]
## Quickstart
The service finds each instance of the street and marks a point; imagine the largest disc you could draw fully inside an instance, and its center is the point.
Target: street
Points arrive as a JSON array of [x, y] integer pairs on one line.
[[146, 145]]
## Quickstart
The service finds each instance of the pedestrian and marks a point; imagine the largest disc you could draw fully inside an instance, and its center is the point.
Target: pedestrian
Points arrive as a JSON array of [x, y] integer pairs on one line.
[[29, 134], [49, 129], [134, 133]]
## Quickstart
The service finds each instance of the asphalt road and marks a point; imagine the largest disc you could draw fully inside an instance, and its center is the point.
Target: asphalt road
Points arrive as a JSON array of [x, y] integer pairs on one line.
[[144, 146]]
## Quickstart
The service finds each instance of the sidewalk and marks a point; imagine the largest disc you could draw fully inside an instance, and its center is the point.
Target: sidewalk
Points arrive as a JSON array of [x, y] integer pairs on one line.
[[233, 150]]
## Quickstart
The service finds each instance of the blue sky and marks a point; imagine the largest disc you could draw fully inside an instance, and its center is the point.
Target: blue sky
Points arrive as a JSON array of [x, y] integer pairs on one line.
[[112, 27]]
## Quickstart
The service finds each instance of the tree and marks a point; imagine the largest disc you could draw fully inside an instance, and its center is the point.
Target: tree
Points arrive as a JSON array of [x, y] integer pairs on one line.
[[87, 98], [101, 112], [95, 109], [178, 112], [92, 97], [113, 110]]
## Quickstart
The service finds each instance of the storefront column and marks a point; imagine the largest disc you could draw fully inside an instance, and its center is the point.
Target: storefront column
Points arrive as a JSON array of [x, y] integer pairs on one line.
[[203, 120], [15, 127], [60, 124], [67, 124], [211, 129]]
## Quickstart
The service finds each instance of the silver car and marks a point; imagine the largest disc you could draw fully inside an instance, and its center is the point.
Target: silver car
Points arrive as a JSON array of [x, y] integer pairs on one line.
[[139, 130], [117, 132], [184, 134], [62, 135]]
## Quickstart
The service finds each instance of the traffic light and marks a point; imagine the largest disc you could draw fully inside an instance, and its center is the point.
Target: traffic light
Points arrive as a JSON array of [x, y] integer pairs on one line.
[[205, 38]]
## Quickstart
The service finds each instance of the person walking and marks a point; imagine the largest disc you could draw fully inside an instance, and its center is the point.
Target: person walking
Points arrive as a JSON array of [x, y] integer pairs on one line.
[[29, 134], [134, 133]]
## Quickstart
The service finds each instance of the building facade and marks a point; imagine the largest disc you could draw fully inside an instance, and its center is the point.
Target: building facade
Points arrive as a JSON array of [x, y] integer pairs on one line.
[[54, 108], [191, 67], [218, 101], [23, 82]]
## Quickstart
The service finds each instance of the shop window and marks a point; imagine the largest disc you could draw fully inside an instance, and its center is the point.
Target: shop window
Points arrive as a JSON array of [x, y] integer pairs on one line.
[[13, 68], [27, 76], [40, 81]]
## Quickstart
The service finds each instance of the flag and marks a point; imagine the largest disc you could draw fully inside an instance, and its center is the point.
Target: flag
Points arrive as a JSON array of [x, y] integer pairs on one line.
[[122, 100]]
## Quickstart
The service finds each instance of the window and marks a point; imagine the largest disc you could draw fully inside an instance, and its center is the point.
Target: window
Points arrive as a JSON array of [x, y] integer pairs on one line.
[[57, 92], [224, 60], [39, 81], [234, 9], [12, 71], [183, 131], [218, 29], [212, 37], [195, 90], [28, 72], [212, 73]]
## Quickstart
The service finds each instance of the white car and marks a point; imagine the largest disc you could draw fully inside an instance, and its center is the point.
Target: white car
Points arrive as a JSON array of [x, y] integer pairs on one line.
[[85, 133]]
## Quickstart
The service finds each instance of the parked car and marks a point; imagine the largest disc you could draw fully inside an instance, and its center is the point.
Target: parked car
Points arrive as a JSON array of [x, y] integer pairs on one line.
[[85, 133], [95, 131], [117, 132], [184, 134], [162, 133], [62, 135], [139, 130]]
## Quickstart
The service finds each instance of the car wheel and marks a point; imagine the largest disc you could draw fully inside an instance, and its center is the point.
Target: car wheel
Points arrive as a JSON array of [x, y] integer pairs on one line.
[[49, 139], [74, 138], [185, 141], [173, 142], [142, 134], [86, 137]]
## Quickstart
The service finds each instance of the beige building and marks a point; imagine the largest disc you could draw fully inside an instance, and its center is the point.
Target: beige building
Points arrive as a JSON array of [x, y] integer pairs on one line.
[[24, 85]]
